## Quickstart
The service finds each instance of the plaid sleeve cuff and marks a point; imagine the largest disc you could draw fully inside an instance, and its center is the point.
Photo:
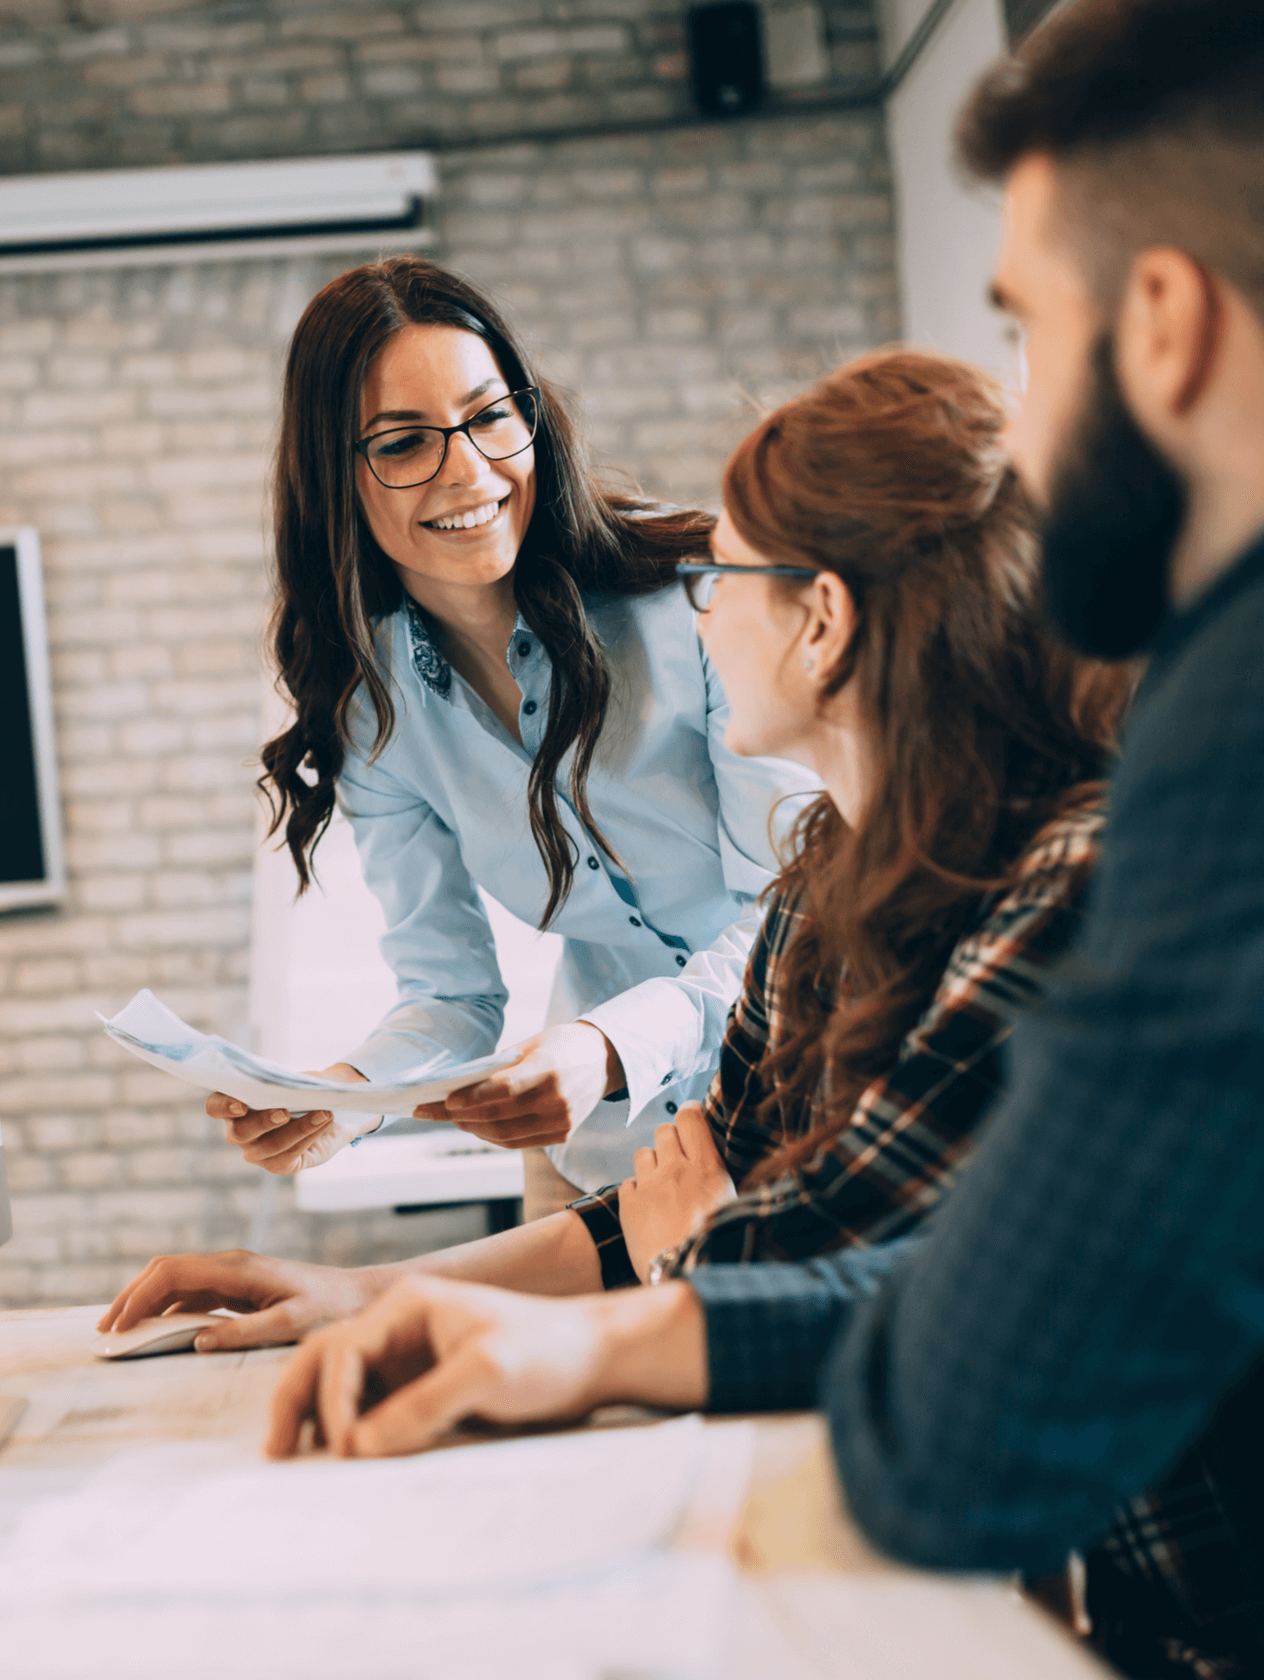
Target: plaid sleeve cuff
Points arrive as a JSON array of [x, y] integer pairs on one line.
[[770, 1327], [600, 1213]]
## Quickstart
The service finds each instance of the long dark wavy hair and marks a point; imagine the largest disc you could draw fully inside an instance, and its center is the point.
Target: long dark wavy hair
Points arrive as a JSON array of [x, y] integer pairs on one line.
[[982, 726], [333, 581]]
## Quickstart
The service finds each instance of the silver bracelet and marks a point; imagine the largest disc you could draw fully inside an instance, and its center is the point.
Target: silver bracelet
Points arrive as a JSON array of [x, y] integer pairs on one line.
[[662, 1265]]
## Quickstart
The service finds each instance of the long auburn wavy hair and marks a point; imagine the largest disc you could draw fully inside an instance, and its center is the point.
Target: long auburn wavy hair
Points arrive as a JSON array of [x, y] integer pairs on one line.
[[982, 726], [333, 582]]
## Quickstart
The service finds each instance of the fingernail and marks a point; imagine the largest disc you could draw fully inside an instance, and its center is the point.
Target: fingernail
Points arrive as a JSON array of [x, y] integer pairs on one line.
[[205, 1343], [236, 1108]]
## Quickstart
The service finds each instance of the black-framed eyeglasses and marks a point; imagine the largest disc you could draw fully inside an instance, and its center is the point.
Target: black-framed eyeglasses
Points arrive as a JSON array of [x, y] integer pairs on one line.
[[402, 457], [699, 578]]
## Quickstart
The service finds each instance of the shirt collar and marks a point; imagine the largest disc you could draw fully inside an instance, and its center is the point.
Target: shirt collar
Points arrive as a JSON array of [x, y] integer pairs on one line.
[[429, 664], [427, 661], [1179, 627]]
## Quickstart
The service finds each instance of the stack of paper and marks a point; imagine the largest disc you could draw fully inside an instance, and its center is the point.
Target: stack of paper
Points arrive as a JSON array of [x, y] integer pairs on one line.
[[158, 1036], [182, 1519], [544, 1556]]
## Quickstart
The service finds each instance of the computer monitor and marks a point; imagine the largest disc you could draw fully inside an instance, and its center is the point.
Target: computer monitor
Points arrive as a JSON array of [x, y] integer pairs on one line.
[[31, 872]]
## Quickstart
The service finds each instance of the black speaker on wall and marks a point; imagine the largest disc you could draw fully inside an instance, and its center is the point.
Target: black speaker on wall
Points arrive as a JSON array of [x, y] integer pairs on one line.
[[726, 57], [1022, 16]]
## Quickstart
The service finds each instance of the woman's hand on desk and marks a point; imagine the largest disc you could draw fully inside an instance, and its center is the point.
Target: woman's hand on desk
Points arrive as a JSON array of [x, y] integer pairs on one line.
[[279, 1300], [279, 1142], [677, 1186], [559, 1078], [432, 1351]]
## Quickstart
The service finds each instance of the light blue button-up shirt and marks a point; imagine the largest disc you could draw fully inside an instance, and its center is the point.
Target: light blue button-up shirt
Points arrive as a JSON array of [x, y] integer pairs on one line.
[[655, 958]]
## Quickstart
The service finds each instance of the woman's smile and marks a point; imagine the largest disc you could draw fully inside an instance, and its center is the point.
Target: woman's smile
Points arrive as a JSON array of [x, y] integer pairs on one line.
[[476, 517]]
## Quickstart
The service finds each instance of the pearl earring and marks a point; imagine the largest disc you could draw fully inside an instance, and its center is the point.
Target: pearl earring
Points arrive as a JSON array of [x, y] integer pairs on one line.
[[809, 665]]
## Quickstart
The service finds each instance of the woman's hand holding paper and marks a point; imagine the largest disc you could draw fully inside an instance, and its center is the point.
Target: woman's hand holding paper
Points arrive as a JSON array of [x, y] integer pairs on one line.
[[559, 1078], [281, 1142], [679, 1184], [279, 1300], [431, 1352]]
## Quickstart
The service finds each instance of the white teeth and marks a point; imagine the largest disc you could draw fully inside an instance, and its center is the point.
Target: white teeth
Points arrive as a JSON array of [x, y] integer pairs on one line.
[[466, 521]]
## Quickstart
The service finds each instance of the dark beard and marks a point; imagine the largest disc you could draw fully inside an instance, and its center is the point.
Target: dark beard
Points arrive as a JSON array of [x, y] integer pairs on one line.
[[1115, 512]]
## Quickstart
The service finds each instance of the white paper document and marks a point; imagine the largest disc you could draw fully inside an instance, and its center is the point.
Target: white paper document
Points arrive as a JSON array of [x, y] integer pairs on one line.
[[158, 1036], [183, 1519], [540, 1557]]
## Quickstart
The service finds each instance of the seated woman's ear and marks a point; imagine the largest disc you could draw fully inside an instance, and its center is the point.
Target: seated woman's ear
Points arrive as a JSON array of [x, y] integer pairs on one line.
[[830, 630]]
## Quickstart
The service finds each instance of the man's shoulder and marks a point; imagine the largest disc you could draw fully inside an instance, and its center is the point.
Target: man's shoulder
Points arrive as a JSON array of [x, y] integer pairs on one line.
[[1180, 889], [1197, 730]]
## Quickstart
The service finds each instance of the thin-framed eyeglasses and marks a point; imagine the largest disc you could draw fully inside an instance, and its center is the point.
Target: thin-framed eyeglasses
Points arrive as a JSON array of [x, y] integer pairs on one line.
[[699, 578], [402, 457]]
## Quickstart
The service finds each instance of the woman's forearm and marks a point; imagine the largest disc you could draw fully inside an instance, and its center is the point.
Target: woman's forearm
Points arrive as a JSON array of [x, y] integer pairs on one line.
[[553, 1256]]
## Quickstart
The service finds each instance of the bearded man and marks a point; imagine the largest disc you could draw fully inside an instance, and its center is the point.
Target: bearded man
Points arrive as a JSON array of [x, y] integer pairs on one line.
[[1086, 1322]]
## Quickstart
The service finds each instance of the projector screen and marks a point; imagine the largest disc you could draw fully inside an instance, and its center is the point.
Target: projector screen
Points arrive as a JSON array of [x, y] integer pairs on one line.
[[31, 870]]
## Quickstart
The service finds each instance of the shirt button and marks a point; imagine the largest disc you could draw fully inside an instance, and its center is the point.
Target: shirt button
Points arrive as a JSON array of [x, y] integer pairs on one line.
[[529, 708], [681, 961], [670, 1107], [524, 648], [593, 864], [634, 921]]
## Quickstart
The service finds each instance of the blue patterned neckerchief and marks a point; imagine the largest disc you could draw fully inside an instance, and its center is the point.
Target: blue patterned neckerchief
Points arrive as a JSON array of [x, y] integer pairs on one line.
[[428, 662]]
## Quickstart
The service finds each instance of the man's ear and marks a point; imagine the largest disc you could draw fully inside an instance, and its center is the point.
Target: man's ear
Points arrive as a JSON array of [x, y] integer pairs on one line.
[[831, 620], [1168, 336]]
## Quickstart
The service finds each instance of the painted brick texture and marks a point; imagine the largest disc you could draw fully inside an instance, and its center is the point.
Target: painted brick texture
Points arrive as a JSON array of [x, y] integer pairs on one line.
[[669, 279], [678, 281], [148, 81]]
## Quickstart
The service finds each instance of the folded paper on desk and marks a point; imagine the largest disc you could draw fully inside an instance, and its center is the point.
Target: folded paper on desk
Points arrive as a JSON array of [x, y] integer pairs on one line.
[[564, 1557], [158, 1036], [208, 1521]]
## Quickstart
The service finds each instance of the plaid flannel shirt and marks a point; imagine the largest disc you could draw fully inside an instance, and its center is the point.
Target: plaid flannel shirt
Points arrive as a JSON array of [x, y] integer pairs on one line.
[[912, 1128]]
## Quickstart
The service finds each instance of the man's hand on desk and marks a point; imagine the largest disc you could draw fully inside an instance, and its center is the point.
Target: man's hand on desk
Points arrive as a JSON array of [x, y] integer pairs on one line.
[[559, 1078], [431, 1352], [280, 1300], [279, 1142]]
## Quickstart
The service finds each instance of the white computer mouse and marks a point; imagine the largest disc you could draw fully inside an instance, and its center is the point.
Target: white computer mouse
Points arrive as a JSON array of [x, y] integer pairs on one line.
[[172, 1334]]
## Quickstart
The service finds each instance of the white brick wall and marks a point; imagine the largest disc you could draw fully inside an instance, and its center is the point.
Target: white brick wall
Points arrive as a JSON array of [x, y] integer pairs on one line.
[[667, 278], [136, 409]]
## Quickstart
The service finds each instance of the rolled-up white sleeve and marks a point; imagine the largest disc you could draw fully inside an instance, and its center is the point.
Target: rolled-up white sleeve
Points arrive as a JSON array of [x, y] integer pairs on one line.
[[438, 941], [671, 1029]]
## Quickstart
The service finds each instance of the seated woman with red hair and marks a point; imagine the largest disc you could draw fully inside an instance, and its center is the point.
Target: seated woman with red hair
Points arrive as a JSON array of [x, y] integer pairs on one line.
[[873, 606]]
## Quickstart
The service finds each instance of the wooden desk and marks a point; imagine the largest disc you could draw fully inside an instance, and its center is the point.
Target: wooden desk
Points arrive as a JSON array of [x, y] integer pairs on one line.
[[811, 1600]]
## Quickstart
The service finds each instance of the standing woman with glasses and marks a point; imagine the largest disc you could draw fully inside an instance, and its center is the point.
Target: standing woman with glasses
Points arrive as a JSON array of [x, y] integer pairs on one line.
[[494, 677], [873, 600]]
